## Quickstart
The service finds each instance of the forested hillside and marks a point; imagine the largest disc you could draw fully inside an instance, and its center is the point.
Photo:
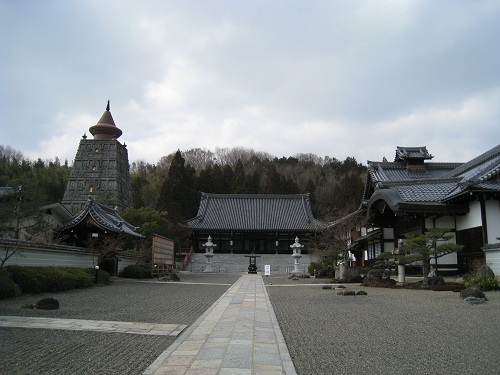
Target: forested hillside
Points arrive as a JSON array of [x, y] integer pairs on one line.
[[45, 179], [175, 182]]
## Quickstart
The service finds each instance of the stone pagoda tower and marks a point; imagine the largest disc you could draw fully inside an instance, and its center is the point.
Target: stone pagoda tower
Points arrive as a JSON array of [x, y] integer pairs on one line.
[[100, 169]]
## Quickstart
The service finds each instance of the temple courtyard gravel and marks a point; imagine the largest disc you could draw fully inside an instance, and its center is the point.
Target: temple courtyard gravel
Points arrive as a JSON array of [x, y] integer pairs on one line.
[[388, 331]]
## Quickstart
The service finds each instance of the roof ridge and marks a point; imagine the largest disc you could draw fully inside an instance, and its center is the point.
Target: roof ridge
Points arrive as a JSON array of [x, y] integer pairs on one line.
[[422, 182], [253, 195]]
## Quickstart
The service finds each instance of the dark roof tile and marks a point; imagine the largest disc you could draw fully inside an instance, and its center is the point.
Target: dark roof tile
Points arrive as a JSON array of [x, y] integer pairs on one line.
[[107, 218], [255, 212]]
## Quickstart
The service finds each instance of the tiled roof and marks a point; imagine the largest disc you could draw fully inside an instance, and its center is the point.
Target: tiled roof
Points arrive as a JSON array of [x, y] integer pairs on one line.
[[255, 212], [398, 171], [481, 173], [420, 153], [105, 217], [424, 192], [436, 183]]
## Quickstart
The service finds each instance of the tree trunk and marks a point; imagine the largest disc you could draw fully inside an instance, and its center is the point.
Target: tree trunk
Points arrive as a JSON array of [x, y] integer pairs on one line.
[[426, 267]]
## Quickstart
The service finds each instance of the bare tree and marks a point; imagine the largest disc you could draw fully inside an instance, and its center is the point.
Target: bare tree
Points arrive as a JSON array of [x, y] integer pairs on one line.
[[21, 220], [333, 244]]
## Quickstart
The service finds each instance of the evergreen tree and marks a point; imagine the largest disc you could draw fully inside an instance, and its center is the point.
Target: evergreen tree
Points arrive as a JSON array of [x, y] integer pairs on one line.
[[238, 181], [178, 192], [431, 244], [227, 177]]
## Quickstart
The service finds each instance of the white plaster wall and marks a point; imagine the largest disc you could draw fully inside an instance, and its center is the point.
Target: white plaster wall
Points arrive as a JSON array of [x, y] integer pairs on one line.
[[493, 260], [440, 222], [493, 220], [124, 262], [48, 257], [388, 233], [451, 258], [472, 219], [388, 247]]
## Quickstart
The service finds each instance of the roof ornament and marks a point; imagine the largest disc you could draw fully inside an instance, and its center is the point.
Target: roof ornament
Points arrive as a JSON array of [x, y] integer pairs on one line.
[[107, 107], [84, 136]]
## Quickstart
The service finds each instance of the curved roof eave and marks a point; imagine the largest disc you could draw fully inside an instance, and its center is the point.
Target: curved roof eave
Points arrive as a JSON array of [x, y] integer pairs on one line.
[[399, 206], [390, 196]]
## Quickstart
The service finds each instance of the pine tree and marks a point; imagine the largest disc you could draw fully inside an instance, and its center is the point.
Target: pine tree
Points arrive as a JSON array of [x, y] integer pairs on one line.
[[426, 246]]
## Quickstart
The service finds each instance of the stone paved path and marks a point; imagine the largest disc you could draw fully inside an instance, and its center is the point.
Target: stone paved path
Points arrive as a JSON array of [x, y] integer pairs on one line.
[[239, 334], [92, 325]]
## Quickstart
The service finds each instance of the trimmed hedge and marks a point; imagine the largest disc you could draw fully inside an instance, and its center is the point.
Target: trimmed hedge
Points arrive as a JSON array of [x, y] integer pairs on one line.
[[103, 277], [51, 279], [136, 272], [7, 287]]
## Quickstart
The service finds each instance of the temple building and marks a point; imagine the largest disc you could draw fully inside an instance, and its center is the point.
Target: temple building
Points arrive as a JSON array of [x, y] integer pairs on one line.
[[100, 169], [411, 194], [259, 223]]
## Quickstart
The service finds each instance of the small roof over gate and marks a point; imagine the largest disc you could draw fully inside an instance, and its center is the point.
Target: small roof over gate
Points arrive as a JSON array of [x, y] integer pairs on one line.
[[103, 217], [255, 212]]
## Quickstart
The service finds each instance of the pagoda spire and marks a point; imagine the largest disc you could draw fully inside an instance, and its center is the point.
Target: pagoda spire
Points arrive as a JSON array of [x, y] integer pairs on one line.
[[105, 129]]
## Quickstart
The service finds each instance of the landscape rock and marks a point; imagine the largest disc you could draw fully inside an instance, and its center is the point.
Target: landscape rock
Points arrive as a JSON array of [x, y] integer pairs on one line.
[[484, 272], [435, 281], [47, 304], [171, 277], [474, 300], [472, 291]]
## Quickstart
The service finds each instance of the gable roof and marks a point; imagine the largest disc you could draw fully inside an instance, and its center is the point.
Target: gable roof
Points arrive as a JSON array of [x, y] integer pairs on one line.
[[255, 212], [432, 187], [481, 173], [412, 153], [106, 218], [380, 172]]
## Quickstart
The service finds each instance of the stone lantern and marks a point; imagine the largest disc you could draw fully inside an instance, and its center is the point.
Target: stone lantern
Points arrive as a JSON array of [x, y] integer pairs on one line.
[[398, 252], [209, 253], [296, 247], [252, 267]]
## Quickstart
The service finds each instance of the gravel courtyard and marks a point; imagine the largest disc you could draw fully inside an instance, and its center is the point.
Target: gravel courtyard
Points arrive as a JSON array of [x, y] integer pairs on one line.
[[387, 331], [43, 351]]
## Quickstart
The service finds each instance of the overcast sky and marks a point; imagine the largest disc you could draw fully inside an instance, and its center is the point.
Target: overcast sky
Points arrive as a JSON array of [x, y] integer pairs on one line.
[[337, 78]]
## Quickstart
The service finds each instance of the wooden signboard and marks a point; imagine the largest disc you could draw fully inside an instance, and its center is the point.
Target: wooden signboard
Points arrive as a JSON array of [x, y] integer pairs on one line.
[[162, 256]]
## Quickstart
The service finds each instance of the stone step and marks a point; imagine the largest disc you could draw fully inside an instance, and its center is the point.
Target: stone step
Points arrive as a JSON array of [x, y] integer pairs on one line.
[[236, 263]]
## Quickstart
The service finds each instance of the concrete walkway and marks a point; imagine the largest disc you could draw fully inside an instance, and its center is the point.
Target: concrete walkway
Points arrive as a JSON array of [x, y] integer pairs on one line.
[[239, 334]]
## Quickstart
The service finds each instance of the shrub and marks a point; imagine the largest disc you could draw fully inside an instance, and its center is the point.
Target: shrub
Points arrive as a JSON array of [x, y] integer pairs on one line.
[[28, 278], [103, 277], [375, 274], [7, 287], [136, 272], [49, 279], [486, 283]]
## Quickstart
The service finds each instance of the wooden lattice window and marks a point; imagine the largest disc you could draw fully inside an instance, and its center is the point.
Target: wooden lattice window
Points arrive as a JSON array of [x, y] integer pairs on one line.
[[471, 238]]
